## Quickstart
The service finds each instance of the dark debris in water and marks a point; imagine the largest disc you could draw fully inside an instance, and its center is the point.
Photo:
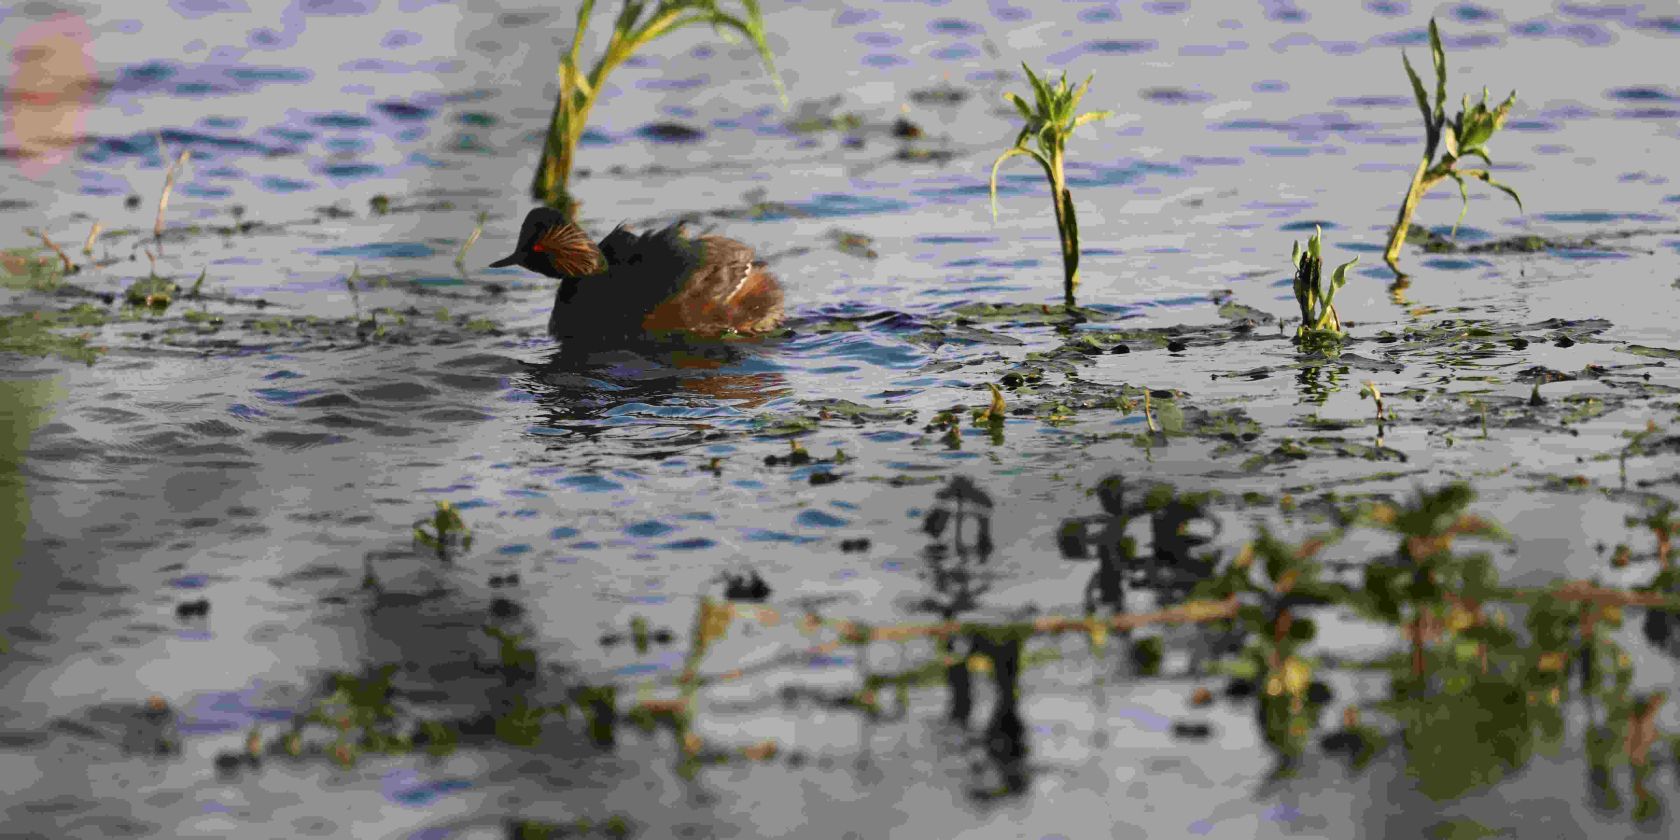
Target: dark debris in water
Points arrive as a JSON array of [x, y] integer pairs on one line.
[[1434, 243]]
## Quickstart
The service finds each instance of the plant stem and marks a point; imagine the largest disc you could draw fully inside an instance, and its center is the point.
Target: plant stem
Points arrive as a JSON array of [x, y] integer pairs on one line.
[[1064, 226], [1404, 223]]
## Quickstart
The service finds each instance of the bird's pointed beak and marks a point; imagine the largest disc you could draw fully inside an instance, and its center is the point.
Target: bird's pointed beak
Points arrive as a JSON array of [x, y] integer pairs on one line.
[[511, 259]]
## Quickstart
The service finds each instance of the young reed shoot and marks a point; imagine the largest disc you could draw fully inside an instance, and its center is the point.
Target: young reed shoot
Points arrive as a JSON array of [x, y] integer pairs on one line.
[[1446, 144], [1317, 300], [1050, 120]]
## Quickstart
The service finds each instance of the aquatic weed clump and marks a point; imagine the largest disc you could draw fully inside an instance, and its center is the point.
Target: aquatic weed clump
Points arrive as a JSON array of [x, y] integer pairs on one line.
[[1051, 119], [1464, 137], [1320, 325]]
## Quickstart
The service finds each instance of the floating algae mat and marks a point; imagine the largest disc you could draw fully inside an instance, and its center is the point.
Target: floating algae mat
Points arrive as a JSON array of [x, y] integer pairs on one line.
[[314, 531]]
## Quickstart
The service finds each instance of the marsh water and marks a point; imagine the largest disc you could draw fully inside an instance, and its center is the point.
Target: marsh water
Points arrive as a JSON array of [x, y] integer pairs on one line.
[[268, 457]]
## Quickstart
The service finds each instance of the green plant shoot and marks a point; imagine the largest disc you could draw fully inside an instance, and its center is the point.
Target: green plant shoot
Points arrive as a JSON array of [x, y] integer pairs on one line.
[[448, 531], [634, 28], [1466, 136], [1318, 307], [1050, 120]]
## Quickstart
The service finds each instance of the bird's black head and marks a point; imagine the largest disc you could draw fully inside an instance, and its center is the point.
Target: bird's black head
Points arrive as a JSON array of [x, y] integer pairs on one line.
[[568, 253]]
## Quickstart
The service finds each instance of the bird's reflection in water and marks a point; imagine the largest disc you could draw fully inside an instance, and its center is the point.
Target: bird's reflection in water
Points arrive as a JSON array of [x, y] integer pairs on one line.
[[659, 395]]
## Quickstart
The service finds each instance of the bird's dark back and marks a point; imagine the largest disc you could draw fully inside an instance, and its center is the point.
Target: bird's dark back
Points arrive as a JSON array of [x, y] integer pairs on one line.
[[643, 270]]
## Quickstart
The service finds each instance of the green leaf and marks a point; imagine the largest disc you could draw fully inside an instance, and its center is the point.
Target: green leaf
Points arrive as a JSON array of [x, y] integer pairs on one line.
[[753, 29], [1041, 92], [1488, 179], [1338, 278], [1079, 93], [1021, 106], [1419, 92], [1009, 153], [1462, 194], [1440, 56], [1450, 138], [1072, 221], [1089, 117]]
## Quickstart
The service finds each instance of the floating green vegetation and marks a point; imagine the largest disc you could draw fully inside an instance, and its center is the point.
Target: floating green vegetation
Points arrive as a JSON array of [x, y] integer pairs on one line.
[[36, 334], [1051, 119], [1320, 327], [1289, 450], [822, 118], [635, 27], [1465, 136], [151, 292], [854, 244], [814, 413], [1019, 314]]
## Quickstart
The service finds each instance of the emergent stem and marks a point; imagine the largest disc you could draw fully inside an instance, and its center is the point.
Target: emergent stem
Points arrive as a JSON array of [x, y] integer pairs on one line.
[[1404, 223], [1064, 225]]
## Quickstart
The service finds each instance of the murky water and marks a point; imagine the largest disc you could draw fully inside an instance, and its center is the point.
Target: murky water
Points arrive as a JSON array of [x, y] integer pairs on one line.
[[267, 460]]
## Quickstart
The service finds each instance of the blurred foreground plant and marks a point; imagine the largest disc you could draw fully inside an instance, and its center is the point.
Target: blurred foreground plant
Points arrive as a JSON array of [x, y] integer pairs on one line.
[[1051, 119], [448, 531], [635, 27], [1465, 136]]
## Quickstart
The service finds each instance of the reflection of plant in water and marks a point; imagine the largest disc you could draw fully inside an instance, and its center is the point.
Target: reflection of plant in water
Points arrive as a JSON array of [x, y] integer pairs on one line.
[[448, 531], [1636, 443], [1051, 119], [1106, 533], [956, 569], [1173, 566], [1465, 136], [636, 26]]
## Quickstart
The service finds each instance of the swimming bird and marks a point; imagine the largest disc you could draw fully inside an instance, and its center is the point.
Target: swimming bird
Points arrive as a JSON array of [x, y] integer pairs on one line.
[[636, 285]]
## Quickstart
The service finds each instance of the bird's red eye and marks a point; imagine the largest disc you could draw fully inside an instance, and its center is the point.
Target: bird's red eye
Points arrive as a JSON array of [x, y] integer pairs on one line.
[[538, 248]]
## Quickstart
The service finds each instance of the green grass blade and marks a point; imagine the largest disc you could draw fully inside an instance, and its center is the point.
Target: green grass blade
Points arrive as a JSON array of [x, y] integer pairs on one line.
[[1440, 56], [753, 28], [1488, 179], [1418, 91], [1041, 92], [1079, 93], [1090, 117], [584, 11], [1009, 153], [1464, 196], [1021, 106]]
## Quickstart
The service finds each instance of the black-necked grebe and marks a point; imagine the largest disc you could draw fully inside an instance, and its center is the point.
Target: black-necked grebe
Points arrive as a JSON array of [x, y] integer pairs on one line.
[[647, 284]]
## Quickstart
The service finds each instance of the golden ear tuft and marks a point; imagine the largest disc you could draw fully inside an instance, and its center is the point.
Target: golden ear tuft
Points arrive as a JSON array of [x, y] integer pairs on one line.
[[569, 250]]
